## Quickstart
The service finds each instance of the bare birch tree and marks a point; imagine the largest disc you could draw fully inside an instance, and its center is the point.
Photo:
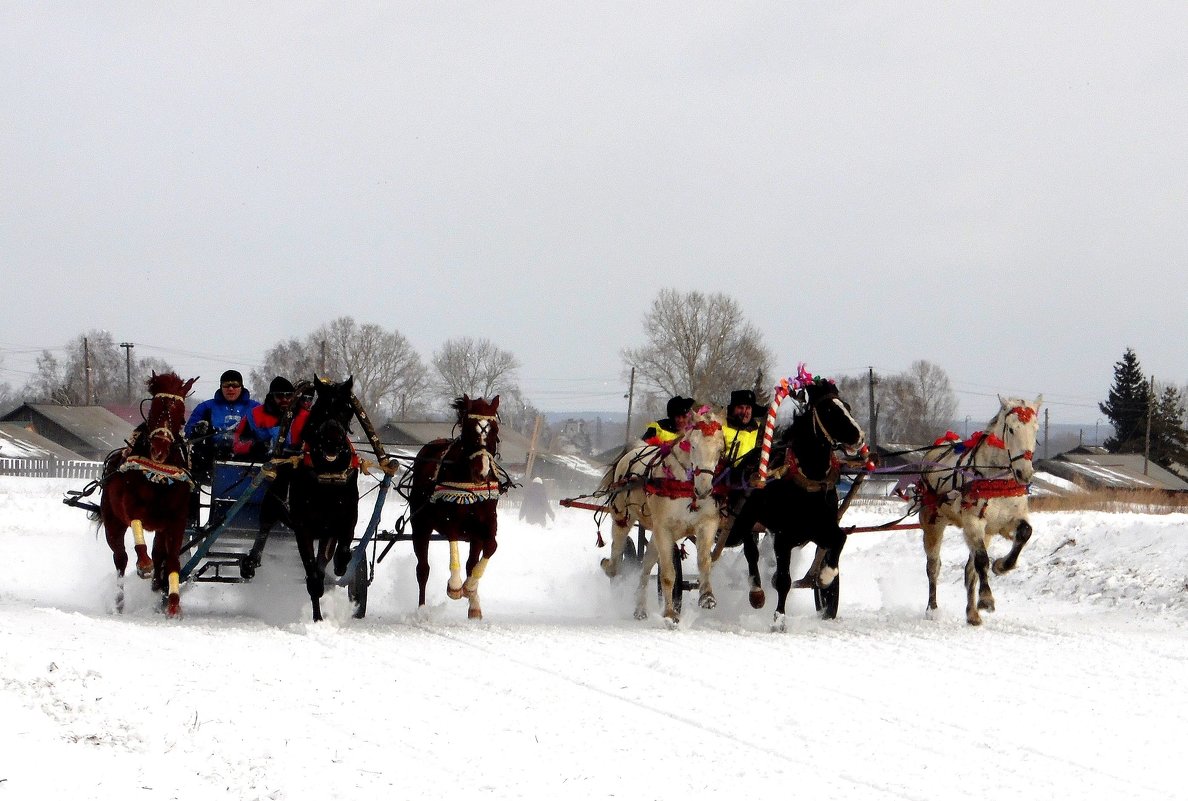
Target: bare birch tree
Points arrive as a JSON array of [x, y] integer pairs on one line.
[[390, 378], [474, 367], [699, 345]]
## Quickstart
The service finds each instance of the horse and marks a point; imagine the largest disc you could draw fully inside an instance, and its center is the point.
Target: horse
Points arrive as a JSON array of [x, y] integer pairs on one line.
[[454, 490], [980, 485], [669, 490], [147, 486], [800, 504], [324, 493]]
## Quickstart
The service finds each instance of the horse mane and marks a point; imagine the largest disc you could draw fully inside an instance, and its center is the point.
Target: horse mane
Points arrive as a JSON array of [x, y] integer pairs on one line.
[[170, 383]]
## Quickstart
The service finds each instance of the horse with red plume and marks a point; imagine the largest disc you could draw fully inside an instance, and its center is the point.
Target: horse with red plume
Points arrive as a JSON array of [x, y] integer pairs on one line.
[[147, 487]]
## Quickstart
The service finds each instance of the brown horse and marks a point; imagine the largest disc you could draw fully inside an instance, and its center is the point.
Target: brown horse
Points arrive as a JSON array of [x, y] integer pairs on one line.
[[147, 486], [455, 488]]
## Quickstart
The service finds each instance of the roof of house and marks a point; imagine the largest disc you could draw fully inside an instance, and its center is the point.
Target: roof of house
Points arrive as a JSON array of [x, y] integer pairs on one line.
[[17, 441], [95, 426], [406, 434], [1112, 471]]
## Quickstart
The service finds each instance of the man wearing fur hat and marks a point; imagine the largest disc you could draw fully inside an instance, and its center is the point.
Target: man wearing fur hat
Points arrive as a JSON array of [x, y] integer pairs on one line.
[[680, 414], [741, 429], [271, 430]]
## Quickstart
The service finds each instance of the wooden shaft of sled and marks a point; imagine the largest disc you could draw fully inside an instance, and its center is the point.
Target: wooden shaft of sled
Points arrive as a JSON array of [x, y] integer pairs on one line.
[[376, 446], [572, 503]]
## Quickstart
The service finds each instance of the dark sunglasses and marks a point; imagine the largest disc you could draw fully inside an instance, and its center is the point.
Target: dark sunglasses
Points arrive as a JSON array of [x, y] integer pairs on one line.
[[232, 386], [282, 395]]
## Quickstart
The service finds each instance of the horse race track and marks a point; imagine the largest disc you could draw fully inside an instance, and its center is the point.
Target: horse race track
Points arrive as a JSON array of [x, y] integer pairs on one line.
[[1072, 688]]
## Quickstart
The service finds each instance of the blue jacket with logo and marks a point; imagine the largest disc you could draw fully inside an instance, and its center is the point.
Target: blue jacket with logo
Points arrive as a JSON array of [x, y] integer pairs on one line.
[[223, 416]]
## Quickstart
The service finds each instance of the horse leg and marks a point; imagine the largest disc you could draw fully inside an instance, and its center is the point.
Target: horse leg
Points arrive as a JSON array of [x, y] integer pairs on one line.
[[664, 547], [144, 562], [475, 568], [114, 532], [706, 534], [933, 535], [782, 580], [315, 583], [1019, 539], [977, 586], [614, 563], [648, 561], [812, 576], [751, 552], [454, 584], [828, 579]]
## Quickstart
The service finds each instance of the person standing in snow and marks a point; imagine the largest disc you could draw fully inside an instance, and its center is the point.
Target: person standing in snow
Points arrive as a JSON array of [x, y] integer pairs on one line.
[[536, 508]]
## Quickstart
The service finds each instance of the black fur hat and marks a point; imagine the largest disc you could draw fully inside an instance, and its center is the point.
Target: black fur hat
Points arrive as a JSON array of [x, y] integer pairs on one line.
[[280, 384], [678, 406], [742, 397]]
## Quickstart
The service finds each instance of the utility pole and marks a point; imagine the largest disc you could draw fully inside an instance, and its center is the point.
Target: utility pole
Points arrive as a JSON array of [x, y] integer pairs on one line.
[[87, 372], [1046, 454], [532, 449], [874, 433], [1147, 443], [322, 365], [630, 401], [127, 346]]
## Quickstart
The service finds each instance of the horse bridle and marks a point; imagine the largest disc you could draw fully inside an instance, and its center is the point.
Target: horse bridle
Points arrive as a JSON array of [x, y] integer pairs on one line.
[[692, 471], [162, 431]]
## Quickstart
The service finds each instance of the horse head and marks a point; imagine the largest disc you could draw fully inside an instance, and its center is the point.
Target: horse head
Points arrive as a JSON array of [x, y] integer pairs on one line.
[[1017, 425], [832, 418], [706, 444], [327, 429], [478, 419], [166, 414]]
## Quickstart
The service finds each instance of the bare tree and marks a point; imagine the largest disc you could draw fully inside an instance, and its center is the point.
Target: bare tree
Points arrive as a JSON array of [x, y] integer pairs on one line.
[[475, 367], [390, 378], [698, 345], [917, 405], [65, 382]]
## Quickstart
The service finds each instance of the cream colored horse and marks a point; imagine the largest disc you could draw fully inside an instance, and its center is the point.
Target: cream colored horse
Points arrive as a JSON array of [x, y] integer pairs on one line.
[[981, 486], [669, 491]]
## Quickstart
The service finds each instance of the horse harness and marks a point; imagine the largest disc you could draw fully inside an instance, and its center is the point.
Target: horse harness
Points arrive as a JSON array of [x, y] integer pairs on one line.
[[975, 491]]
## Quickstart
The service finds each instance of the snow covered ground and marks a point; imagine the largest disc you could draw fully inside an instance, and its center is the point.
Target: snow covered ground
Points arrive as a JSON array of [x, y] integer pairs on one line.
[[1074, 688]]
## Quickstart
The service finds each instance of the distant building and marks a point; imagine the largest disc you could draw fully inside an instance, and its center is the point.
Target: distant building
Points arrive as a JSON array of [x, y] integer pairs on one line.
[[92, 432]]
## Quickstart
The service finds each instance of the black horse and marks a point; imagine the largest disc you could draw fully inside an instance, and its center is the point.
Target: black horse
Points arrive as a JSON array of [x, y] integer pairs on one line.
[[800, 505], [324, 495]]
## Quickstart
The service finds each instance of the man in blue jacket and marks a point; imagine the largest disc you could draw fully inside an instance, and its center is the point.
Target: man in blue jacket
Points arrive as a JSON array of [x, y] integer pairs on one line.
[[212, 424]]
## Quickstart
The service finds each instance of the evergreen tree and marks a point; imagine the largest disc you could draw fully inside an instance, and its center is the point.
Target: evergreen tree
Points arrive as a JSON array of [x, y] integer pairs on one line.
[[1127, 406], [1169, 439]]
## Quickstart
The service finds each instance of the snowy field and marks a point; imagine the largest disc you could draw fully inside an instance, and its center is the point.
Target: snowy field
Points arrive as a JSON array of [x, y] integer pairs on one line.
[[1076, 687]]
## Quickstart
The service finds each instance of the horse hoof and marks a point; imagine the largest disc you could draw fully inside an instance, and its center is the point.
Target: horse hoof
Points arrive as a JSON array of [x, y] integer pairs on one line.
[[474, 614], [807, 582], [672, 622], [608, 568], [999, 567], [156, 585], [974, 619], [758, 598], [454, 593], [986, 606], [173, 605], [342, 558], [144, 569], [641, 614], [779, 623], [707, 601]]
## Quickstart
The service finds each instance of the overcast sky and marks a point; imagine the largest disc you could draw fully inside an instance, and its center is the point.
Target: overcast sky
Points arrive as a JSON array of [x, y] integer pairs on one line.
[[998, 188]]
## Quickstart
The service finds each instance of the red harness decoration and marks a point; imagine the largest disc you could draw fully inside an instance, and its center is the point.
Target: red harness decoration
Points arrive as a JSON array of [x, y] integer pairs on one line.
[[983, 488]]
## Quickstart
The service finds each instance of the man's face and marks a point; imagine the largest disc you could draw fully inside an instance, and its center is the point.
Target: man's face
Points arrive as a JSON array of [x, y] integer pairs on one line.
[[231, 390], [683, 421], [283, 399], [742, 412]]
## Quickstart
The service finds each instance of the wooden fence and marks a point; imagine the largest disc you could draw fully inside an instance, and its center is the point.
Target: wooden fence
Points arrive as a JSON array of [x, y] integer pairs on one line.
[[50, 468]]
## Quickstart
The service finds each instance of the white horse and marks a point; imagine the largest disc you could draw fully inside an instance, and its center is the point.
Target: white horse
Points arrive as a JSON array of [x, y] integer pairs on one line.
[[669, 490], [980, 485]]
